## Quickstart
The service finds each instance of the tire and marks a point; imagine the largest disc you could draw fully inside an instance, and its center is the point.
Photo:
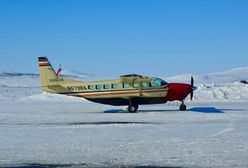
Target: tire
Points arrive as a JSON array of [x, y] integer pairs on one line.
[[132, 108], [182, 107]]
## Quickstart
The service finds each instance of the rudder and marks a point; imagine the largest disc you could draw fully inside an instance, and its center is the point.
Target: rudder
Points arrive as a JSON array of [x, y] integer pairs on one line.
[[47, 74]]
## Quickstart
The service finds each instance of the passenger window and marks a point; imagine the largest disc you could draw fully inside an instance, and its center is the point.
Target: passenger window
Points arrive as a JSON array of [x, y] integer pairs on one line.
[[144, 84], [135, 85], [98, 87], [126, 85], [114, 86], [91, 87], [106, 86]]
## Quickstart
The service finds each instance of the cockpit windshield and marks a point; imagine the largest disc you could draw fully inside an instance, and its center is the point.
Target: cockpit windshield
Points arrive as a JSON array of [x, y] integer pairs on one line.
[[158, 82]]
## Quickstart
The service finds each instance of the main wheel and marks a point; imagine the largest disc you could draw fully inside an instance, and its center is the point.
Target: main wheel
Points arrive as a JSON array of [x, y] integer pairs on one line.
[[182, 107], [132, 108]]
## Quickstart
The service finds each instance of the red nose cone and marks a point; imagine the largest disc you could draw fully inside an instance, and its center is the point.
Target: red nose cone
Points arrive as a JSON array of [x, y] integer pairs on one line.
[[178, 91]]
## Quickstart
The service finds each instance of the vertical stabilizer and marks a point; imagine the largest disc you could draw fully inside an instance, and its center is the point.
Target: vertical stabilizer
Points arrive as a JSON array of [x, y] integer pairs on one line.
[[47, 73]]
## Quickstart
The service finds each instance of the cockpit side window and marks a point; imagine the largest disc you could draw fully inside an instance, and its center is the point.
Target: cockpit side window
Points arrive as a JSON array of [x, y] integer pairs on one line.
[[158, 82]]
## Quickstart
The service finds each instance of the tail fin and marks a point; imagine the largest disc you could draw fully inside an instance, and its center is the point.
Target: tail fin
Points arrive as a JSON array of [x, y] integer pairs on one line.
[[50, 81], [47, 73]]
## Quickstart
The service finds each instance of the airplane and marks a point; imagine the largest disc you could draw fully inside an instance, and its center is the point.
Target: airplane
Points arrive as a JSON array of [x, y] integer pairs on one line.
[[129, 90]]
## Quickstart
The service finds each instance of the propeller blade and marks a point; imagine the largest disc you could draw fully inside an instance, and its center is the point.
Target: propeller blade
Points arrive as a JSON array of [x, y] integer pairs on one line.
[[192, 81], [192, 88]]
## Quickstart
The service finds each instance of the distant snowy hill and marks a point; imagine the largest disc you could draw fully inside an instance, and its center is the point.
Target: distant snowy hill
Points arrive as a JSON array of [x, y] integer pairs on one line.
[[16, 85], [14, 74], [219, 86], [229, 76], [76, 74], [67, 73]]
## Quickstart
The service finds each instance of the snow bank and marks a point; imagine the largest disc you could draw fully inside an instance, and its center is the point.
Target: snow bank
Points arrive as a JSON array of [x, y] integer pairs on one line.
[[44, 96], [221, 92]]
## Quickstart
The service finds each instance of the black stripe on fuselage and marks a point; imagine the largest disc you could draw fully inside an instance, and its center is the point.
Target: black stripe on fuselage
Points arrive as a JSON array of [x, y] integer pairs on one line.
[[124, 102], [98, 91]]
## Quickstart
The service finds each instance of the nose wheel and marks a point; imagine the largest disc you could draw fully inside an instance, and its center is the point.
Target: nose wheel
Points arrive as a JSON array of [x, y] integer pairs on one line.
[[182, 107]]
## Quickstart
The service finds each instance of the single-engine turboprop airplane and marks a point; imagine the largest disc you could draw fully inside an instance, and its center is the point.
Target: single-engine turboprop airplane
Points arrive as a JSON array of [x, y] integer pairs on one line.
[[131, 90]]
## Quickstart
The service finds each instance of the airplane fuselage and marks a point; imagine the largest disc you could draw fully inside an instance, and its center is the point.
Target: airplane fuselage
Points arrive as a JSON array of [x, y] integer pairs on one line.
[[131, 90]]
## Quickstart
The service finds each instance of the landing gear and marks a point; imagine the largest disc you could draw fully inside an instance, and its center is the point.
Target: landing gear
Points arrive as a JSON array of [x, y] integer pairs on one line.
[[132, 108], [182, 107]]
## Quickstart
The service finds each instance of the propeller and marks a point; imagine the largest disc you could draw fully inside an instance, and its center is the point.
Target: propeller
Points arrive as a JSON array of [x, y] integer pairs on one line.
[[192, 88]]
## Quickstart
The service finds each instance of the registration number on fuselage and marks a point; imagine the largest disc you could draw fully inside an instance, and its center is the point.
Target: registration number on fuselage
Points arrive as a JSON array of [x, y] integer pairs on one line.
[[76, 88]]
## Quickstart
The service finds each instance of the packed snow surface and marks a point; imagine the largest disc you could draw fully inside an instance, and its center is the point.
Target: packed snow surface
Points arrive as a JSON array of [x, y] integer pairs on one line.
[[37, 132], [38, 129]]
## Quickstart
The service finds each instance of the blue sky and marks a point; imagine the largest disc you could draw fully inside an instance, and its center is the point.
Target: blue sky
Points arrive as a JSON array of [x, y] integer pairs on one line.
[[110, 38]]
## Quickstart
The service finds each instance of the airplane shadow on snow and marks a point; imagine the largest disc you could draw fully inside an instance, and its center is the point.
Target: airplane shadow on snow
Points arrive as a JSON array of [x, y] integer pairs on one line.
[[195, 109], [206, 110], [139, 111], [38, 165], [213, 110]]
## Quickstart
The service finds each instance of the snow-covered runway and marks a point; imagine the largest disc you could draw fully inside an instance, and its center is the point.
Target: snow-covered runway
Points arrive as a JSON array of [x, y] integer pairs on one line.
[[43, 130], [83, 134]]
